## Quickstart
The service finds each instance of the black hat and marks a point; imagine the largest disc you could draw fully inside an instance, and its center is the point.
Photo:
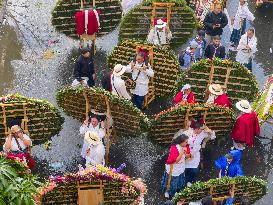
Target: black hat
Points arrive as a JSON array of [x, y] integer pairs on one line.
[[85, 50], [201, 33]]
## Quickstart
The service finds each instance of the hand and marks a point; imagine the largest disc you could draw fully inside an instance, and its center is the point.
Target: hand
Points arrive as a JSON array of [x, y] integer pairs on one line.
[[85, 122], [94, 76], [82, 82], [167, 29], [247, 46], [132, 64], [102, 124], [144, 68], [208, 130]]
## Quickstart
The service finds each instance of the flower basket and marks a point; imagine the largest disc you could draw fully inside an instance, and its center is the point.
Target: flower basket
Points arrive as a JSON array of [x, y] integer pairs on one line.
[[40, 119], [64, 12], [136, 23]]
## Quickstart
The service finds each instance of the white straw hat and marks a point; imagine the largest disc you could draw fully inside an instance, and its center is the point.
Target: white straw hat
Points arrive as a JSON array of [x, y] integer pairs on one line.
[[92, 138], [216, 89], [119, 70], [244, 106]]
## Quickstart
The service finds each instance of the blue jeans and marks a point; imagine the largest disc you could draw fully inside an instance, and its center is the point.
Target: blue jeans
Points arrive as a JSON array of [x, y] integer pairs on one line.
[[249, 64], [138, 101], [191, 174]]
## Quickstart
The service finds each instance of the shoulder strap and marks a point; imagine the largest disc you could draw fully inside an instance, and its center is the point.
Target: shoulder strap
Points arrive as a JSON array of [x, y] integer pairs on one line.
[[158, 37], [20, 148], [114, 85]]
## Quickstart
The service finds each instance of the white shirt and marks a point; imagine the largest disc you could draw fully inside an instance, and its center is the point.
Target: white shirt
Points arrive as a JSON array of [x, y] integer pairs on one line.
[[242, 13], [163, 36], [14, 146], [142, 80], [178, 168], [119, 88], [243, 56], [195, 142], [96, 155]]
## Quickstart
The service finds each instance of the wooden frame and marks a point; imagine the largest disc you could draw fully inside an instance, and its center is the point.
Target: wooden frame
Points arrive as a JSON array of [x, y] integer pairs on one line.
[[160, 4], [90, 194]]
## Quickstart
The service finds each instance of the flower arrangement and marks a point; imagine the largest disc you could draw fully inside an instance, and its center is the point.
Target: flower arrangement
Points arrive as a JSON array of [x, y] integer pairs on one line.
[[7, 98]]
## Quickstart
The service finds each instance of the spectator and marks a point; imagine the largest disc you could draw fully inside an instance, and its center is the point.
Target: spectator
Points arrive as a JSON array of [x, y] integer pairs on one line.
[[188, 58], [215, 49], [200, 40]]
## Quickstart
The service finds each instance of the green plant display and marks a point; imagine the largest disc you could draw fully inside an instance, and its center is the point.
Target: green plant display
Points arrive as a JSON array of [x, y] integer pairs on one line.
[[254, 187], [240, 83], [43, 119], [136, 23], [64, 12]]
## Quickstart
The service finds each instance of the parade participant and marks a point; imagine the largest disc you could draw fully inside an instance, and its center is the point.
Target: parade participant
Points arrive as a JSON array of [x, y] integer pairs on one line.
[[140, 74], [188, 58], [229, 164], [200, 40], [215, 49], [246, 48], [246, 126], [185, 95], [175, 167], [117, 84], [214, 22], [197, 134], [84, 71], [93, 124], [239, 22], [160, 34], [95, 152], [218, 97]]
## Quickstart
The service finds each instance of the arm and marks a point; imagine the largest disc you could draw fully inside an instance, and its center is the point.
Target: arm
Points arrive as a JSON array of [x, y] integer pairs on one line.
[[123, 92], [83, 128], [207, 52], [187, 60], [207, 21], [26, 140], [77, 71], [222, 53], [178, 97], [8, 143], [150, 36], [224, 21], [149, 72], [92, 69]]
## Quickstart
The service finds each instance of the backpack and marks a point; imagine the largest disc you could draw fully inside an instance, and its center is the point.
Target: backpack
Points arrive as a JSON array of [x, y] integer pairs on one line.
[[106, 82], [181, 58]]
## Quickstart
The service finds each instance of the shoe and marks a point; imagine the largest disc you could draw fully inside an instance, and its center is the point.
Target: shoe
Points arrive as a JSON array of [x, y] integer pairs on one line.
[[189, 184], [167, 195]]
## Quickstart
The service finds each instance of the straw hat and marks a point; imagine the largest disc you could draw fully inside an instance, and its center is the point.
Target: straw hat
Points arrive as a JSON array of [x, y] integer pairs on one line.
[[244, 106], [119, 70], [186, 87], [15, 128], [92, 138], [160, 23], [216, 89]]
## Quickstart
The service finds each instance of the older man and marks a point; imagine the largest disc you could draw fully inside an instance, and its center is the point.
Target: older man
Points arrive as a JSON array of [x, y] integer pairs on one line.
[[160, 34], [140, 74]]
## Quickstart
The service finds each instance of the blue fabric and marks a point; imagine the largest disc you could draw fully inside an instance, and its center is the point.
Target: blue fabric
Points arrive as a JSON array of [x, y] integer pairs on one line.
[[229, 201], [234, 168], [202, 45], [177, 184], [249, 65], [236, 34], [138, 101], [189, 59], [191, 174]]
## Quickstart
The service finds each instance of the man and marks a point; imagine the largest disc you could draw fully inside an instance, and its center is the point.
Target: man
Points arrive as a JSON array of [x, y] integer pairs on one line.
[[185, 95], [215, 49], [246, 126], [189, 57], [140, 74], [84, 69], [214, 22], [200, 40], [218, 97], [160, 34], [117, 84]]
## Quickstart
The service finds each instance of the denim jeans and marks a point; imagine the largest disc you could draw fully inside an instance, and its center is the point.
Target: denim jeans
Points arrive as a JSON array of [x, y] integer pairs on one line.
[[191, 174], [249, 64], [138, 101]]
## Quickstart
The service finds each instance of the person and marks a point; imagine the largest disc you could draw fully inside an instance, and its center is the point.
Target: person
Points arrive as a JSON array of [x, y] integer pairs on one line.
[[17, 145], [200, 40], [246, 126], [229, 164], [185, 95], [188, 58], [92, 124], [214, 22], [197, 134], [215, 49], [160, 34], [218, 97], [118, 84], [239, 22], [140, 74], [95, 152], [247, 48], [84, 71], [175, 167]]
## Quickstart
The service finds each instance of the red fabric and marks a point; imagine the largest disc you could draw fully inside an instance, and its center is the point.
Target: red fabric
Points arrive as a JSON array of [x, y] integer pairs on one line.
[[201, 121], [246, 128], [163, 19], [140, 50], [30, 161], [179, 96], [223, 100], [174, 153], [92, 26]]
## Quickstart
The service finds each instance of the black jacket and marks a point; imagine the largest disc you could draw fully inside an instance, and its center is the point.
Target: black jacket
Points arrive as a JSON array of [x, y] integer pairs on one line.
[[84, 67], [210, 50], [212, 19]]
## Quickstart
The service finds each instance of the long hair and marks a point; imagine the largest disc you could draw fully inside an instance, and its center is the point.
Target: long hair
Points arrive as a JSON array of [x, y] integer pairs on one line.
[[180, 139]]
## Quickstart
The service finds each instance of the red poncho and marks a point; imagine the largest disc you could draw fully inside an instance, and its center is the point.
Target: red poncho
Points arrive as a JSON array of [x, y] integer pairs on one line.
[[178, 98], [92, 25], [223, 100], [246, 128]]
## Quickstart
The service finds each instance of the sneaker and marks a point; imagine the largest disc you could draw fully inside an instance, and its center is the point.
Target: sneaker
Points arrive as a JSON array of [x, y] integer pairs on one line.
[[167, 195], [189, 184]]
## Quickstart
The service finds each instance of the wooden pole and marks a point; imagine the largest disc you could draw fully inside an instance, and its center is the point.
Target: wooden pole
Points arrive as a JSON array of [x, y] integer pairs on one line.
[[25, 120], [87, 105], [107, 127], [186, 119], [81, 5], [5, 119]]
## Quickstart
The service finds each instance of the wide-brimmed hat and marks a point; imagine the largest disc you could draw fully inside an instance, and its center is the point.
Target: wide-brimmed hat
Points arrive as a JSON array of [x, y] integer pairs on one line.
[[119, 70], [244, 106], [15, 128], [92, 138], [186, 87], [160, 23], [216, 89]]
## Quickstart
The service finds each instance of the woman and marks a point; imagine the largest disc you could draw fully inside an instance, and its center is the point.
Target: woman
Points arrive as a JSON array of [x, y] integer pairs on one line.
[[185, 95], [18, 145], [175, 167]]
